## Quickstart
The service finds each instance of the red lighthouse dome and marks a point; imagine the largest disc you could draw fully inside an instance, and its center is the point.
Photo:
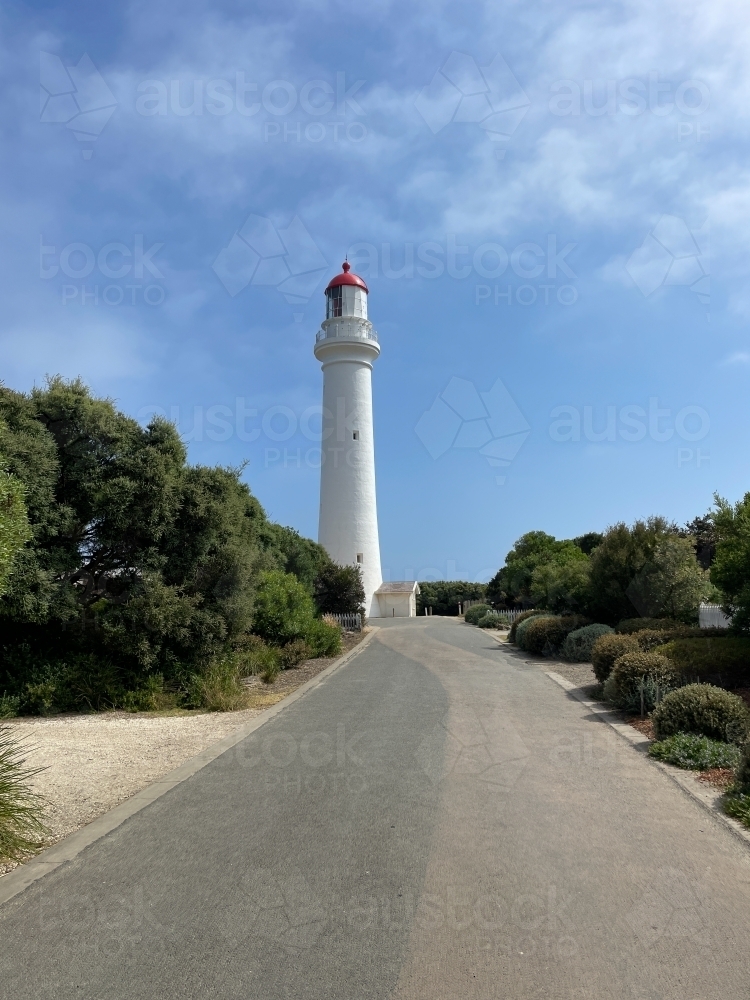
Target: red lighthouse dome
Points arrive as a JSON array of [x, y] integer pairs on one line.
[[346, 278]]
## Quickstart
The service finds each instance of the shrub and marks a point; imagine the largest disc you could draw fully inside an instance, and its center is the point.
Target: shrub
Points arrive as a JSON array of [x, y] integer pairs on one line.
[[219, 687], [523, 629], [724, 662], [293, 653], [323, 639], [607, 649], [151, 697], [737, 804], [630, 625], [697, 753], [639, 680], [21, 826], [705, 710], [523, 617], [579, 643], [545, 635], [339, 590], [475, 612], [492, 619], [283, 608]]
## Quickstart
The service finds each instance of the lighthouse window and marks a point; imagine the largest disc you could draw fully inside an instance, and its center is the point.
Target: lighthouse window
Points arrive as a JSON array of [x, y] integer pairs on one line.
[[355, 435], [335, 302], [360, 557]]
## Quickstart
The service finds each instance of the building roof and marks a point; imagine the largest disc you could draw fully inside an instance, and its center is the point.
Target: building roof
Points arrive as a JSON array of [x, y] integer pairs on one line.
[[398, 587], [345, 278]]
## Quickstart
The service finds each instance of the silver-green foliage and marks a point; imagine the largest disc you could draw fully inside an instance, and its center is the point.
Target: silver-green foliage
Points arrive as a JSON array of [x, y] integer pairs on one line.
[[578, 645], [697, 753]]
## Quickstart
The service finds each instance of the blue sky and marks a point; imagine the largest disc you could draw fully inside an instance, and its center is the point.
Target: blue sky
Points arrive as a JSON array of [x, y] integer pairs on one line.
[[562, 188]]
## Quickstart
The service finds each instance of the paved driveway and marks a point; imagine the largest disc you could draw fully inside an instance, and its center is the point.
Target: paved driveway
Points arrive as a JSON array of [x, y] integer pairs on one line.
[[437, 820]]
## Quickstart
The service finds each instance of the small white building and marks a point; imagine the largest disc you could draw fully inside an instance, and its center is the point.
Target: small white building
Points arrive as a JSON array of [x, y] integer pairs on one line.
[[398, 598]]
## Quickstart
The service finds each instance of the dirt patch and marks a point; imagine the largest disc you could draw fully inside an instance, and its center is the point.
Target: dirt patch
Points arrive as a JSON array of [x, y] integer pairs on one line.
[[719, 777], [94, 762]]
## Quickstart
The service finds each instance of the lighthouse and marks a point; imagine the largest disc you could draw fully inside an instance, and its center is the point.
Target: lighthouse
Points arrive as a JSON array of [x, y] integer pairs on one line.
[[346, 346]]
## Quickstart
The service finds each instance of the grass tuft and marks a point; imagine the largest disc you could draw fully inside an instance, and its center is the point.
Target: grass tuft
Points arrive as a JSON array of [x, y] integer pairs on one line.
[[22, 829]]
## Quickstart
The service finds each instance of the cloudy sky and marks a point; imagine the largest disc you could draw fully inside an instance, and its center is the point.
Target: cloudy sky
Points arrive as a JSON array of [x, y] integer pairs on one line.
[[549, 201]]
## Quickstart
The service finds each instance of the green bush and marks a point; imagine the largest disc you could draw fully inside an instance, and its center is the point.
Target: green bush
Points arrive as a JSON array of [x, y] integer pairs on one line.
[[523, 617], [580, 642], [22, 829], [724, 662], [283, 608], [606, 650], [705, 710], [545, 635], [523, 628], [630, 625], [639, 681], [475, 612], [696, 753], [322, 638], [492, 619], [339, 590], [293, 653]]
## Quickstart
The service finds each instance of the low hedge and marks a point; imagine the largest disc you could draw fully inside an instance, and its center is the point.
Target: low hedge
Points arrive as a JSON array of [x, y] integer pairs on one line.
[[630, 625], [546, 634], [475, 612], [524, 616], [606, 650], [580, 642], [743, 771], [639, 680], [697, 753], [705, 710], [724, 662]]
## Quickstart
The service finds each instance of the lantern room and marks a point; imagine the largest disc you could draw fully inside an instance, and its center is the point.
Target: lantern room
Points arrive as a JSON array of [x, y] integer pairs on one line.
[[346, 295]]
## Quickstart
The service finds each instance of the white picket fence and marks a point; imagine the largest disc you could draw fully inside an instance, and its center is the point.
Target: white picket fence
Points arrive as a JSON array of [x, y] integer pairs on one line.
[[711, 616], [350, 623]]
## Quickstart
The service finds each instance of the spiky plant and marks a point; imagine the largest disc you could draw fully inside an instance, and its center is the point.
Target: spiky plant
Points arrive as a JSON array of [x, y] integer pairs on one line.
[[22, 829]]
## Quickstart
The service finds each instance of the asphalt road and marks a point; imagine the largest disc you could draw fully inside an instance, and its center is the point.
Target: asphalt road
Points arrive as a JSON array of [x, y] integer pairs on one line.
[[436, 820]]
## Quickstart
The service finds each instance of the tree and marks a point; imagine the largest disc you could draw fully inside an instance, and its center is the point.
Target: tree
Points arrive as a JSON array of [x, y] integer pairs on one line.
[[444, 596], [702, 532], [645, 570], [730, 570], [588, 542], [513, 583], [339, 590], [138, 563], [14, 525], [561, 586]]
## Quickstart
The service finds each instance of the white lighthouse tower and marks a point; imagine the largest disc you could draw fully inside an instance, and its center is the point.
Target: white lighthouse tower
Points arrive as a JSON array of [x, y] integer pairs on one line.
[[346, 346]]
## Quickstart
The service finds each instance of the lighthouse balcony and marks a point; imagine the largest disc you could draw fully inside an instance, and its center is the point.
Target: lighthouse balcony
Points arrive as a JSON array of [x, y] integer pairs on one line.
[[346, 329]]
